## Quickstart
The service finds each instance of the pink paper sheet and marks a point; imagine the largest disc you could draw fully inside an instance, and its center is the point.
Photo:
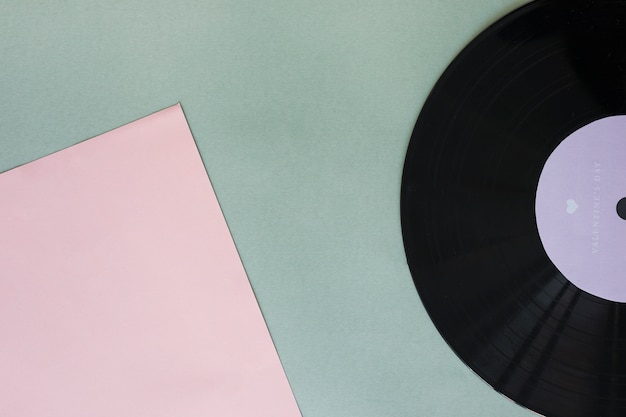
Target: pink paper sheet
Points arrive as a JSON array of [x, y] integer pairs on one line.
[[121, 290]]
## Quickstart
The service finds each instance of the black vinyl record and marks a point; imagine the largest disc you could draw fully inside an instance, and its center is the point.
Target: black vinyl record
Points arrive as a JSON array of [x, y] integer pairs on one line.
[[469, 209]]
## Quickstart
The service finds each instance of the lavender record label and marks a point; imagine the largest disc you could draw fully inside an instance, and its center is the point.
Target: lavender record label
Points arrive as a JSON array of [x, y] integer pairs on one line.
[[578, 220]]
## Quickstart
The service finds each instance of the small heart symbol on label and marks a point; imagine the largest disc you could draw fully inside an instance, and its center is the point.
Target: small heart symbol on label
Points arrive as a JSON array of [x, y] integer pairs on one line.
[[572, 206]]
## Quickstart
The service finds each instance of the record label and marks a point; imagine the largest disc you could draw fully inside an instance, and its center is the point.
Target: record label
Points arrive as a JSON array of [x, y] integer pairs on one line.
[[578, 193]]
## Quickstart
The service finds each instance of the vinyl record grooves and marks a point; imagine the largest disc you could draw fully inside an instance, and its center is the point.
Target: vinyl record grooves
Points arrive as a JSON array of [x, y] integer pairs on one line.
[[471, 217]]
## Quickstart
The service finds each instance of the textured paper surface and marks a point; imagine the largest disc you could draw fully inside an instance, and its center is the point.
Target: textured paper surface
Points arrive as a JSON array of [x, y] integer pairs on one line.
[[122, 293], [302, 112]]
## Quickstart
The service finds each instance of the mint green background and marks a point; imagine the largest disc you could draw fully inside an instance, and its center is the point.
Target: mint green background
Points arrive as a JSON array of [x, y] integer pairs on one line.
[[302, 112]]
